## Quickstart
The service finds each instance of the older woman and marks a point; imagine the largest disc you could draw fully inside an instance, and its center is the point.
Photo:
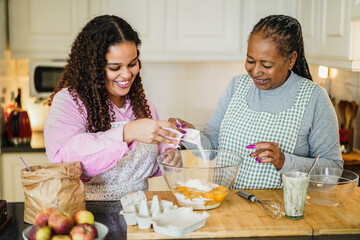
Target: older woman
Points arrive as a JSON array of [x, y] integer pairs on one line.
[[275, 116]]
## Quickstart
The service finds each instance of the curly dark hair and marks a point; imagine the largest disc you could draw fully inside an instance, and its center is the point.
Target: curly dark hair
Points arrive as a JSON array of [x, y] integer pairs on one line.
[[286, 33], [84, 73]]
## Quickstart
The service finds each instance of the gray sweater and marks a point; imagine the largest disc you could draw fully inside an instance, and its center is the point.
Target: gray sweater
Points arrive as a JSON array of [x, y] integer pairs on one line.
[[318, 132]]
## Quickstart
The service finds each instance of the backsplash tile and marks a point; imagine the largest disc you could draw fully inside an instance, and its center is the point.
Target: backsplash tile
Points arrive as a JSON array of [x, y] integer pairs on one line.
[[189, 90]]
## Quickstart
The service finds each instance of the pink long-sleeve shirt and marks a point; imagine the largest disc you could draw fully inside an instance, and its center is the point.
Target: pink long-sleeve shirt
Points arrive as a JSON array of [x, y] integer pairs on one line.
[[67, 140]]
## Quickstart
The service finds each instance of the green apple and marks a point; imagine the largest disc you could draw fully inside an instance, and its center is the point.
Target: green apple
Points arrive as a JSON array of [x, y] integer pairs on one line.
[[84, 216], [39, 233]]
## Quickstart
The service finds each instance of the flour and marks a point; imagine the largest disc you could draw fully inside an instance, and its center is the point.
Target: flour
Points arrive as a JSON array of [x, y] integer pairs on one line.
[[199, 185], [193, 136]]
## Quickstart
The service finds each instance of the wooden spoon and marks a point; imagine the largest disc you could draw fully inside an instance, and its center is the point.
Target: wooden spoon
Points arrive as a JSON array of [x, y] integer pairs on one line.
[[341, 111], [348, 114], [354, 111]]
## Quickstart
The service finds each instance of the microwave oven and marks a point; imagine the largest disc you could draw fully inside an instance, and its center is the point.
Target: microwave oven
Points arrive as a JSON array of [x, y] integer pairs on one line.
[[43, 77]]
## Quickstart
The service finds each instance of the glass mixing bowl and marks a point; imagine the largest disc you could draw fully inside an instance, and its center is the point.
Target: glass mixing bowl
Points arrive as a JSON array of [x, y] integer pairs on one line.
[[200, 180], [331, 187]]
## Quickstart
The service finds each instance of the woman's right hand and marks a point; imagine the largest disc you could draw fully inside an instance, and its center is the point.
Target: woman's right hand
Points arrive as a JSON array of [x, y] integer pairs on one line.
[[184, 124], [149, 131]]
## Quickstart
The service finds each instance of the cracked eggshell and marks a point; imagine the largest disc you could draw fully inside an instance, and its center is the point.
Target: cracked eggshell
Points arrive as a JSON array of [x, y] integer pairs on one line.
[[179, 222]]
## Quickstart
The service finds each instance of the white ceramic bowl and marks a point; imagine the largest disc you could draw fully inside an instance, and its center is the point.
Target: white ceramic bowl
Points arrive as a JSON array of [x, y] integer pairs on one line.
[[101, 229], [200, 181], [331, 187]]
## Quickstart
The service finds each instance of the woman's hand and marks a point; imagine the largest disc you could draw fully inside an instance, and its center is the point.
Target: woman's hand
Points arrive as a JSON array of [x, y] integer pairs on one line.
[[183, 123], [268, 152], [149, 131], [173, 157]]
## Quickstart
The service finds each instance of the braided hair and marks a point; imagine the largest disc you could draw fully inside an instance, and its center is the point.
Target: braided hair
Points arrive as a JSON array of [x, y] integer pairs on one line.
[[84, 74], [286, 33]]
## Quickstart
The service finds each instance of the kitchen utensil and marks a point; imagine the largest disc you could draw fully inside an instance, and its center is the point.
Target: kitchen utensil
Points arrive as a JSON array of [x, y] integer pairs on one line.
[[23, 162], [348, 114], [195, 177], [272, 208], [18, 127], [331, 187], [312, 166], [354, 111], [341, 111]]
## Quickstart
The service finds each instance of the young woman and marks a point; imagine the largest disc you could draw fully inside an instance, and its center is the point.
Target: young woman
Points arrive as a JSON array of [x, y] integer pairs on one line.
[[99, 114]]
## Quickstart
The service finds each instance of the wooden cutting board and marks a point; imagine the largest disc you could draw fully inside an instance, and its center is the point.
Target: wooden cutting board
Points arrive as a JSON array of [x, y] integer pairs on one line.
[[336, 220], [236, 217]]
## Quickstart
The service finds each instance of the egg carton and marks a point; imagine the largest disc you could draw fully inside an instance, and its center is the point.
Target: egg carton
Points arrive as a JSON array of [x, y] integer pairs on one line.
[[178, 222], [165, 217], [138, 211]]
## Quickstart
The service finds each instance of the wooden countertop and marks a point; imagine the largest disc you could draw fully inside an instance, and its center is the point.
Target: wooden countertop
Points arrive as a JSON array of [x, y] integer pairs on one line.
[[238, 217], [352, 158]]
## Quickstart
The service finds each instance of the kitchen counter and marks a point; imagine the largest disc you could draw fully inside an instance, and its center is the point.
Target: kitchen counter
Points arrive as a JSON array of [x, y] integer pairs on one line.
[[236, 217], [36, 144], [239, 218]]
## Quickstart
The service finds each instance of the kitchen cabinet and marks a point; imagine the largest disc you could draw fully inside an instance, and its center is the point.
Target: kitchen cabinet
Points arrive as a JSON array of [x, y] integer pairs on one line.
[[254, 10], [331, 32], [355, 10], [45, 28], [180, 30], [2, 29], [10, 168]]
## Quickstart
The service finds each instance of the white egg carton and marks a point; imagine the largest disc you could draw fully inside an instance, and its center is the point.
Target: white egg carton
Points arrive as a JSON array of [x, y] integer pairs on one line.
[[165, 217], [137, 210], [179, 222]]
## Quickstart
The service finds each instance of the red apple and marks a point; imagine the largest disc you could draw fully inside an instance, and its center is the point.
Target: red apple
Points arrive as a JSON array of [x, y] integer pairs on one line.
[[84, 231], [41, 218], [83, 216], [61, 237], [61, 222], [39, 233]]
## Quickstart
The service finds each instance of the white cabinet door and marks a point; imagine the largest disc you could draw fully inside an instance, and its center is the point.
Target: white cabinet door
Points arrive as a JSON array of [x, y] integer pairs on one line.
[[254, 10], [10, 169], [308, 17], [207, 28], [45, 28], [147, 17], [180, 30], [355, 10], [2, 29], [330, 36], [334, 31]]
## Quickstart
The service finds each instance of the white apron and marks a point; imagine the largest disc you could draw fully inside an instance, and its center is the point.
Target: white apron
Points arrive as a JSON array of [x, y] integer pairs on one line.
[[129, 174], [242, 126]]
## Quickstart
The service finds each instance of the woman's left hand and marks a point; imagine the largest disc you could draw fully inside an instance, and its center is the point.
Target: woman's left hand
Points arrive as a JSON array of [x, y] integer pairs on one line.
[[268, 152], [173, 157]]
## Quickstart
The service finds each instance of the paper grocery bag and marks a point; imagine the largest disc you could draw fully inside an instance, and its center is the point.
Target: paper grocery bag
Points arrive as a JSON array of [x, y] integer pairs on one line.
[[56, 185]]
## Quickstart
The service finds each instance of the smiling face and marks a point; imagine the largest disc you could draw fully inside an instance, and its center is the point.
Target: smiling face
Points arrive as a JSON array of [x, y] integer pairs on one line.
[[121, 69], [265, 65]]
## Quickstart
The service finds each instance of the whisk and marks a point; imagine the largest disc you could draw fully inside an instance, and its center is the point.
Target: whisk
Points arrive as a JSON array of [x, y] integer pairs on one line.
[[272, 208]]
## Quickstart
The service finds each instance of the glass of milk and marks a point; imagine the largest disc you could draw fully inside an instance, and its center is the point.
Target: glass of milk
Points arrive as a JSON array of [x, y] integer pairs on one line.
[[295, 185]]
